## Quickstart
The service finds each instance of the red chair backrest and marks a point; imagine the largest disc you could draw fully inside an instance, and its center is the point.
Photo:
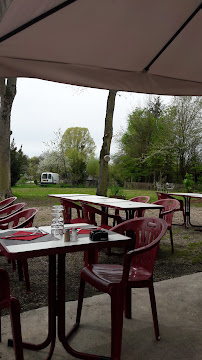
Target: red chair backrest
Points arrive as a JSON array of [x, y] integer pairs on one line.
[[21, 219], [4, 213], [169, 205], [7, 202], [89, 214], [145, 232], [161, 195], [68, 205], [144, 199]]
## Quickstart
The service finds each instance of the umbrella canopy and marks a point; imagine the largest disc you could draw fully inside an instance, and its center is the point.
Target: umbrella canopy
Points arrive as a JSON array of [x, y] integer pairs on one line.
[[148, 46]]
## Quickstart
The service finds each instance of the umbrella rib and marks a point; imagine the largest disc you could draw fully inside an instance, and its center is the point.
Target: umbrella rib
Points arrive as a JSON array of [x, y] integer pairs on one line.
[[146, 69], [36, 20]]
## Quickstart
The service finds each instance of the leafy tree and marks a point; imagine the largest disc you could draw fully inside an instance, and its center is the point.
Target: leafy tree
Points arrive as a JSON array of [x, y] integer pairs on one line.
[[19, 163], [164, 142], [93, 167], [142, 145], [187, 126], [78, 147], [33, 170], [79, 139]]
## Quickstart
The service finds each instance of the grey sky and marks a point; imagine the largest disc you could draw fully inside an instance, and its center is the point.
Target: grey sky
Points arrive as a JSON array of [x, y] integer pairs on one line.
[[41, 108]]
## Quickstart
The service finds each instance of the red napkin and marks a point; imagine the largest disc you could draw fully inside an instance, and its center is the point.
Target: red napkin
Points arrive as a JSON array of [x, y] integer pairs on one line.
[[24, 235], [84, 231]]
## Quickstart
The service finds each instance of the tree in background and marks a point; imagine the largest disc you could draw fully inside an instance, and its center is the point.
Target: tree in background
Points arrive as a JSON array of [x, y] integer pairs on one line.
[[161, 142], [33, 170], [186, 112], [93, 167], [68, 154], [79, 147], [19, 163], [7, 95], [105, 150]]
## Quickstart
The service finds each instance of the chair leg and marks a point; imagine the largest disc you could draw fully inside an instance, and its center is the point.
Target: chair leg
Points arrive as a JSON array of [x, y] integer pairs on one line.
[[80, 300], [171, 240], [154, 311], [20, 271], [0, 326], [184, 219], [16, 328], [26, 275], [109, 251], [117, 304], [127, 303], [14, 265]]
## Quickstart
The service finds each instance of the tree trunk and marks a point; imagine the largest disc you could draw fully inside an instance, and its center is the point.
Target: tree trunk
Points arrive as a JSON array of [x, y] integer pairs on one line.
[[7, 95], [105, 150]]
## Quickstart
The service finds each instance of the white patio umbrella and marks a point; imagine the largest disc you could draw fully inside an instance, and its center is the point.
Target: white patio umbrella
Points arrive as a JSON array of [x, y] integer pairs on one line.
[[148, 46]]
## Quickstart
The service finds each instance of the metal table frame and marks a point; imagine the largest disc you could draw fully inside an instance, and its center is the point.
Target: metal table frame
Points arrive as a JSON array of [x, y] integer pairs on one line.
[[187, 205]]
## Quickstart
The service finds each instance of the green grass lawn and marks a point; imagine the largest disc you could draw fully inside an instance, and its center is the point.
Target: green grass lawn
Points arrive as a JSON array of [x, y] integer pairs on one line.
[[32, 191]]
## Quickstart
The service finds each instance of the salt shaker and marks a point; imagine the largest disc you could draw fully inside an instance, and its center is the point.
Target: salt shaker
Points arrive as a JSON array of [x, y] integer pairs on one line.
[[74, 234]]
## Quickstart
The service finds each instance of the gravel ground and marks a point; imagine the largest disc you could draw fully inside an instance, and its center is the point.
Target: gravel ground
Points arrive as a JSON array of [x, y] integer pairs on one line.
[[187, 259]]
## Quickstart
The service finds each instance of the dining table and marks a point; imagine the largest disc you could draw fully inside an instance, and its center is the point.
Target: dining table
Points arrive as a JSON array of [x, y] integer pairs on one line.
[[14, 248], [187, 205], [130, 207]]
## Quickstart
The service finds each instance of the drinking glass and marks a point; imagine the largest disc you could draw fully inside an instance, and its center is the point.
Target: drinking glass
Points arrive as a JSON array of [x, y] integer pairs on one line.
[[57, 224]]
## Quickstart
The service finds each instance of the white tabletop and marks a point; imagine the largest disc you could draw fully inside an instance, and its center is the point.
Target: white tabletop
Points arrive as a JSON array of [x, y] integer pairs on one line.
[[108, 202], [191, 195], [50, 245]]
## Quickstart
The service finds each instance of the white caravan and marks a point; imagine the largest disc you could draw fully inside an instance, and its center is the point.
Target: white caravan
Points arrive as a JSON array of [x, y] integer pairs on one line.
[[49, 178]]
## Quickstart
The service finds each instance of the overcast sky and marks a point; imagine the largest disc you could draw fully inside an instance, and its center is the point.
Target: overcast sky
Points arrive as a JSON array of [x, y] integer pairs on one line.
[[42, 107]]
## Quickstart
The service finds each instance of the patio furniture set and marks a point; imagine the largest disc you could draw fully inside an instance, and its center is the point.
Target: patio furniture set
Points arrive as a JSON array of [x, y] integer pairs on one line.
[[139, 236]]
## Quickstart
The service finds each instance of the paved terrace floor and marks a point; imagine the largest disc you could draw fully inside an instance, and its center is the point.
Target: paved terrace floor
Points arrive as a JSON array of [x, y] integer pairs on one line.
[[179, 305]]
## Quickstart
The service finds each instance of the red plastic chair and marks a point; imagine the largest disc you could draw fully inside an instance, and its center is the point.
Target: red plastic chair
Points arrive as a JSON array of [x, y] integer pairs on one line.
[[7, 301], [161, 196], [11, 210], [90, 212], [143, 199], [117, 280], [22, 219], [7, 202], [167, 214], [67, 212]]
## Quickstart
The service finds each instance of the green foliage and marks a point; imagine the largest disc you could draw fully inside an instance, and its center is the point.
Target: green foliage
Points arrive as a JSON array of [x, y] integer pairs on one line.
[[33, 170], [161, 142], [115, 190], [79, 139], [188, 182], [78, 148], [19, 163], [93, 167]]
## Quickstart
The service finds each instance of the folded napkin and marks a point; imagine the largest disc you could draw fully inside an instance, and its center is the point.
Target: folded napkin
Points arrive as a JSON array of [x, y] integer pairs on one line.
[[24, 235], [84, 231]]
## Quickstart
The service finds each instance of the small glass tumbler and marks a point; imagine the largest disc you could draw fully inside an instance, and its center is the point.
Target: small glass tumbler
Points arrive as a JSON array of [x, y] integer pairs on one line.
[[57, 224]]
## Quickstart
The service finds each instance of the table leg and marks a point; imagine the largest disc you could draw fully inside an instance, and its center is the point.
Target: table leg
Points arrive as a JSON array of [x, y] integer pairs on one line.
[[188, 213], [61, 317], [50, 340]]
